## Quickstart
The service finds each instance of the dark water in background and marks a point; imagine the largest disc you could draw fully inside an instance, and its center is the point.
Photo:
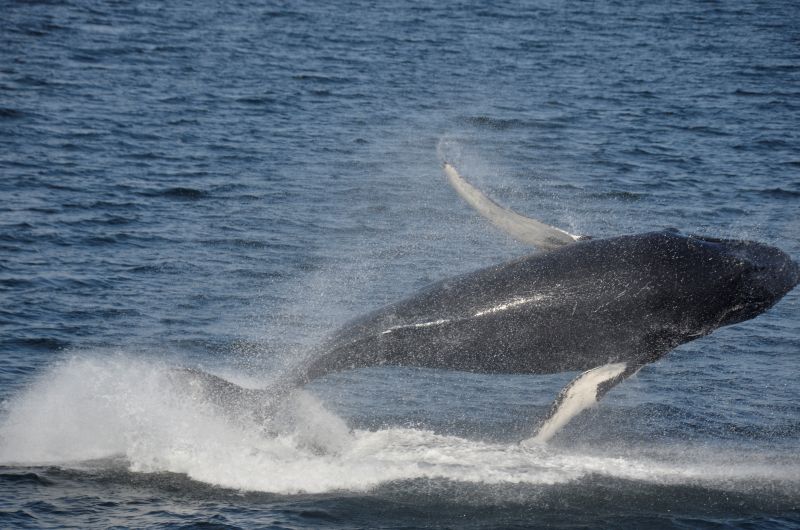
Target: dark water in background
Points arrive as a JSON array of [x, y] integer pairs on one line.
[[221, 184]]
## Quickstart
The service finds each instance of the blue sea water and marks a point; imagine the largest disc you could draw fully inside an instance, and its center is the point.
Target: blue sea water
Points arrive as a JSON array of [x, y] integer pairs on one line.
[[222, 184]]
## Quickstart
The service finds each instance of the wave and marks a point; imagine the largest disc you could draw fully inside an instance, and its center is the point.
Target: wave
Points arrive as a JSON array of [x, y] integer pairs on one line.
[[780, 193], [178, 193], [88, 408]]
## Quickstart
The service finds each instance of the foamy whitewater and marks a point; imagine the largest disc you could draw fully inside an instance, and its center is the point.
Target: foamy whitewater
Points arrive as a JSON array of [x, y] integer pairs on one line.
[[89, 410]]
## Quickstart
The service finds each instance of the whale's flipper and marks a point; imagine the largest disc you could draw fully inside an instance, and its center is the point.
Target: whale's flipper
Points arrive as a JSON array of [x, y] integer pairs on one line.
[[580, 394], [523, 229]]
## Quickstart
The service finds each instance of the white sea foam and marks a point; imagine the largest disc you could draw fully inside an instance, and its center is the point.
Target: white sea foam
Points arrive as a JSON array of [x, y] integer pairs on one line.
[[89, 408]]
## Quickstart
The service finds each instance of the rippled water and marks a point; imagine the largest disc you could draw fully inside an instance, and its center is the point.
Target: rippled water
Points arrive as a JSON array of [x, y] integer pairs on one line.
[[222, 184]]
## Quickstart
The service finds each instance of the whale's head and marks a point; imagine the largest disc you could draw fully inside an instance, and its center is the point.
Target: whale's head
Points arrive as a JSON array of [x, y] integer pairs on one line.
[[749, 277]]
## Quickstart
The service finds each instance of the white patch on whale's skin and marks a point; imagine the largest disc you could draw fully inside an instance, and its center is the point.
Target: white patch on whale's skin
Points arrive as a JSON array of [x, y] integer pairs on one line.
[[518, 301], [577, 396], [419, 325], [514, 302]]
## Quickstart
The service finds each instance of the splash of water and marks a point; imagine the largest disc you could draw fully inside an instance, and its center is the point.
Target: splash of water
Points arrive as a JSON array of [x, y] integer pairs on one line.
[[89, 408]]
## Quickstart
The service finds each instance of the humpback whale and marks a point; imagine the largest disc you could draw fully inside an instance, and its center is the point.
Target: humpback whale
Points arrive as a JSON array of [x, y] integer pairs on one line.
[[602, 307]]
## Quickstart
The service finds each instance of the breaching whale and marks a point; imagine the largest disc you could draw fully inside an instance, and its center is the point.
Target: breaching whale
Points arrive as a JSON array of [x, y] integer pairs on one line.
[[603, 307]]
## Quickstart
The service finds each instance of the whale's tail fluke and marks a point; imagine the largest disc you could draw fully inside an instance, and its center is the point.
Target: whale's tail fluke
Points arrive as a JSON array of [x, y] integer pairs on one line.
[[521, 228]]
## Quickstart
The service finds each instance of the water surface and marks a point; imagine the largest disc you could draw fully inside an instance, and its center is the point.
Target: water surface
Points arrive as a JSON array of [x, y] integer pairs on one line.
[[221, 185]]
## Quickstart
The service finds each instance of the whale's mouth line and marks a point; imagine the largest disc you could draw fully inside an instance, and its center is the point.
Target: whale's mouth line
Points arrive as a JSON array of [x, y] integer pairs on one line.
[[727, 313]]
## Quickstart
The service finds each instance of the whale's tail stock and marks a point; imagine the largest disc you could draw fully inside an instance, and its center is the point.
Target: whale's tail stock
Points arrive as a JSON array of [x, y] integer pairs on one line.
[[257, 404]]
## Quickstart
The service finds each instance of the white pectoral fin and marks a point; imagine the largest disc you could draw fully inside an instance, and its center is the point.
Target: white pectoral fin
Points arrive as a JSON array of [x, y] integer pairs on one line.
[[580, 394], [523, 229]]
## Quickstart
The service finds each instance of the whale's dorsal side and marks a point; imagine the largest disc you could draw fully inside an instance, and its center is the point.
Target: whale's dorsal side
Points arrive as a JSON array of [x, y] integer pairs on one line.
[[523, 229]]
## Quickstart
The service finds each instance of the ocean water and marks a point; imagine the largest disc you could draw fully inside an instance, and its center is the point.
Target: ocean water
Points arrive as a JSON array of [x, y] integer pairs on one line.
[[221, 184]]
